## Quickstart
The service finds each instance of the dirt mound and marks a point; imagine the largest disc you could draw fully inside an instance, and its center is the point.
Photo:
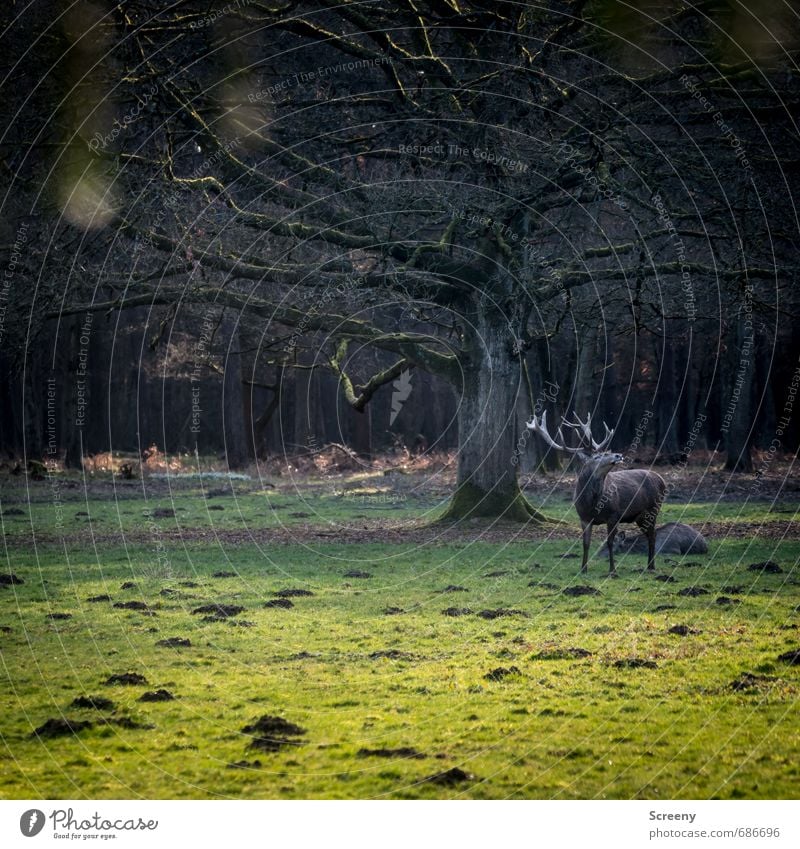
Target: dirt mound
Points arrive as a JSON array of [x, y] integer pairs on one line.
[[157, 696], [163, 513], [792, 656], [93, 703], [293, 593], [129, 722], [579, 590], [692, 592], [562, 654], [61, 727], [635, 663], [96, 599], [391, 654], [665, 579], [126, 679], [128, 585], [220, 611], [496, 574], [174, 643], [733, 589], [131, 605], [449, 777], [272, 733], [502, 672], [357, 573], [8, 580], [400, 752], [457, 611], [726, 601], [499, 612], [282, 603], [393, 611], [224, 574], [683, 631], [747, 682], [256, 764], [768, 566], [58, 616], [453, 588]]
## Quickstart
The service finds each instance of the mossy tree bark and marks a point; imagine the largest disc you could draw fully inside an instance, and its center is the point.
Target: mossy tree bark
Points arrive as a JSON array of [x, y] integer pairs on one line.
[[489, 430]]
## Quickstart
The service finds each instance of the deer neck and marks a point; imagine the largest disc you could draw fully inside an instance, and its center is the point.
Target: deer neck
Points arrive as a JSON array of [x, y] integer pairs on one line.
[[589, 488]]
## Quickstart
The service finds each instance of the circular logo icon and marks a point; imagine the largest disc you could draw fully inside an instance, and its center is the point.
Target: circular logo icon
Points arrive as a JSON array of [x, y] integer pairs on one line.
[[31, 822]]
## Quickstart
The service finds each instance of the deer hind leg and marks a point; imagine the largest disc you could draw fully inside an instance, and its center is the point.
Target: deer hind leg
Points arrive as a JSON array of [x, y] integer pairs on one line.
[[648, 526], [612, 532], [587, 541]]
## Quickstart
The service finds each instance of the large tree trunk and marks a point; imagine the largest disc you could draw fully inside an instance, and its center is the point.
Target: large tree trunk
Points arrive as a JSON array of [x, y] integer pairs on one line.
[[488, 429]]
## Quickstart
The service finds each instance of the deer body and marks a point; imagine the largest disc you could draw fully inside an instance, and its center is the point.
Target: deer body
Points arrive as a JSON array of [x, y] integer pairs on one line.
[[603, 496]]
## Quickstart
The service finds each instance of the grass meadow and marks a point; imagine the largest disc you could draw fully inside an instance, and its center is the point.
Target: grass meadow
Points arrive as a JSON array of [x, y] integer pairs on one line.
[[176, 641]]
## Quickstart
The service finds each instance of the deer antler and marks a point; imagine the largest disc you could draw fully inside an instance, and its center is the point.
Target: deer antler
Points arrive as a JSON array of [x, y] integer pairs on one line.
[[584, 430], [540, 426]]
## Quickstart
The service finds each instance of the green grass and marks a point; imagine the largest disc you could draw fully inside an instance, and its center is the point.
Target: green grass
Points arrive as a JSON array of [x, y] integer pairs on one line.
[[559, 728]]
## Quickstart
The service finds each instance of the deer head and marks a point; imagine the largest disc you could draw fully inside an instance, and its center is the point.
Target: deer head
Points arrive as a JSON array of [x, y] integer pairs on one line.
[[588, 449]]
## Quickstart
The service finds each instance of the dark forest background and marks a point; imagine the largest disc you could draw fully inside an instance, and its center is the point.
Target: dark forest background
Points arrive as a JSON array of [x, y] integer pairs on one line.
[[629, 345]]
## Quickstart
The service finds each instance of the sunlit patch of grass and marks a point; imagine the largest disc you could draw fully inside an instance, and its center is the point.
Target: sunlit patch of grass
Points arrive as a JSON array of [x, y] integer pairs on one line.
[[605, 702]]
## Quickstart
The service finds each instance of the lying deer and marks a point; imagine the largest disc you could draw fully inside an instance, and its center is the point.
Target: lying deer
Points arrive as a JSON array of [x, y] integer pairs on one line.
[[606, 497]]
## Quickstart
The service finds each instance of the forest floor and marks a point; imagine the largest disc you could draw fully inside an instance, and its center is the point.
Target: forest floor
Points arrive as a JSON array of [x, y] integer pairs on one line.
[[315, 635]]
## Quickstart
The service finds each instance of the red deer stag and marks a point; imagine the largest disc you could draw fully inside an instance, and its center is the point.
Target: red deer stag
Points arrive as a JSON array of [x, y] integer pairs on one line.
[[606, 497]]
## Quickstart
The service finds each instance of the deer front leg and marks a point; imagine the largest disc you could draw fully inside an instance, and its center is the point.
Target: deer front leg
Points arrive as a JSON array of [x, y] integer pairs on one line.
[[587, 541], [612, 532], [651, 547]]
